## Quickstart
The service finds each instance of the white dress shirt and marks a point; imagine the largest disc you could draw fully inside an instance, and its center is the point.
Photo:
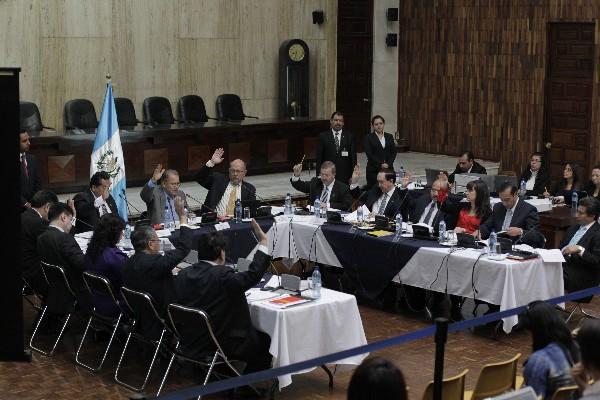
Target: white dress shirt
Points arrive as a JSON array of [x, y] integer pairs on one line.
[[222, 206], [531, 182]]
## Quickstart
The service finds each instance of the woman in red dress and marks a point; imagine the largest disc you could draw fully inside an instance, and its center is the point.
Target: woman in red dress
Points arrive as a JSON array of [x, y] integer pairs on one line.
[[472, 213]]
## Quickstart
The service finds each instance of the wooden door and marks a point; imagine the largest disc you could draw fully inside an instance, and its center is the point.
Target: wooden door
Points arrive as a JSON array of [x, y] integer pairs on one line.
[[568, 103], [354, 65]]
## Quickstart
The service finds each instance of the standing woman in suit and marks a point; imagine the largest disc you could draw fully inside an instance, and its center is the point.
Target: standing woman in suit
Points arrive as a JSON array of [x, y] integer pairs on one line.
[[380, 148], [536, 177], [593, 187]]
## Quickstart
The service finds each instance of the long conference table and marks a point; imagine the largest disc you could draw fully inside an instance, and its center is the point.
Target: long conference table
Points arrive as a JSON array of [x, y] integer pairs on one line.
[[267, 146]]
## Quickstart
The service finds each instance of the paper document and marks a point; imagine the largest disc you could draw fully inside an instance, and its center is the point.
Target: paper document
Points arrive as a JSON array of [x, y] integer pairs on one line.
[[552, 255], [352, 216], [286, 300]]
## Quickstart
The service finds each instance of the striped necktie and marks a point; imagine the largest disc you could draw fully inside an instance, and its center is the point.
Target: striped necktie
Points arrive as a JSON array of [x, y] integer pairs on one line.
[[383, 204]]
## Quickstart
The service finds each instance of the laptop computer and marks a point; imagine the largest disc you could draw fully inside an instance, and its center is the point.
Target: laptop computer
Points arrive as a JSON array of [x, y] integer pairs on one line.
[[422, 232]]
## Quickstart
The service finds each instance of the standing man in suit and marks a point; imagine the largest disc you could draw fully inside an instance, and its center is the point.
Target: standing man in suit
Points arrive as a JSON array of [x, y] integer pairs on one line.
[[385, 198], [337, 145], [467, 165], [94, 202], [34, 222], [218, 290], [581, 247], [514, 216], [224, 190], [160, 194], [331, 192], [426, 209], [30, 176], [380, 149]]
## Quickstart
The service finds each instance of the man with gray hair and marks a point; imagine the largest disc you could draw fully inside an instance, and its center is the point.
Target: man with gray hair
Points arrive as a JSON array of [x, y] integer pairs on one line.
[[160, 193]]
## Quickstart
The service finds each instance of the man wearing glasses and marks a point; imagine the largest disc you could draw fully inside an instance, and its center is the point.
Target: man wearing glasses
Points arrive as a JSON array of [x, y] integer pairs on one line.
[[224, 190], [160, 193]]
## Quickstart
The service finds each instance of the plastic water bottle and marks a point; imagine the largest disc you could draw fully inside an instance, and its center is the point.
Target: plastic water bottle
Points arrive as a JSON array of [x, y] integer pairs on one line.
[[359, 215], [492, 243], [398, 224], [317, 208], [442, 231], [287, 209], [238, 210], [402, 172], [127, 232], [523, 188], [316, 283], [574, 202]]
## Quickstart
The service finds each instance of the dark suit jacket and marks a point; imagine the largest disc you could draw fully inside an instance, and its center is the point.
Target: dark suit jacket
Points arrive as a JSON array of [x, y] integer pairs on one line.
[[590, 188], [326, 152], [413, 209], [475, 169], [156, 202], [377, 155], [216, 183], [339, 197], [524, 217], [86, 212], [60, 248], [32, 226], [219, 291], [542, 181], [31, 184], [393, 205], [582, 272]]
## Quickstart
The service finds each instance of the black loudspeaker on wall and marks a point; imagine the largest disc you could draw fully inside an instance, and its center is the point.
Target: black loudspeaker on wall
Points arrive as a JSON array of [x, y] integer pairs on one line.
[[392, 14], [391, 40], [318, 17]]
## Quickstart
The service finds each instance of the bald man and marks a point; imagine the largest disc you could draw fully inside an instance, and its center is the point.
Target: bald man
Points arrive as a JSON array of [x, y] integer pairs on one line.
[[426, 209], [224, 190]]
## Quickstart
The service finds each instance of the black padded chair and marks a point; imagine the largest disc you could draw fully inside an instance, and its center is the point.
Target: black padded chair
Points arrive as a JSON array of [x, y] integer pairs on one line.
[[125, 112], [191, 108], [157, 111], [30, 117], [80, 114], [229, 108]]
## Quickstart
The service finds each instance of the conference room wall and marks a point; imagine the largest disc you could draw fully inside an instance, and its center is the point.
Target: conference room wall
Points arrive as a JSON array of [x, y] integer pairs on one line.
[[472, 75], [164, 48]]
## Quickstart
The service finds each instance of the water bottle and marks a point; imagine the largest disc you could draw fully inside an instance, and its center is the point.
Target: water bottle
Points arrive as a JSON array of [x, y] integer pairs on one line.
[[287, 209], [359, 215], [317, 208], [398, 224], [316, 283], [574, 202], [492, 243], [238, 210], [442, 231], [402, 172], [523, 188], [127, 232]]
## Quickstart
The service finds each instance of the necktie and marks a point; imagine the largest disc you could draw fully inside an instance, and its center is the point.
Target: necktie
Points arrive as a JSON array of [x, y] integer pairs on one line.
[[325, 195], [430, 213], [231, 203], [383, 204], [24, 164], [577, 236], [104, 209], [336, 136], [507, 220]]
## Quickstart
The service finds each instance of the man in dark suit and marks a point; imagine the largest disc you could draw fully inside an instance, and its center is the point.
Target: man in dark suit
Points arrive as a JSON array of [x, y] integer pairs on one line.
[[30, 176], [219, 291], [34, 222], [331, 192], [94, 202], [467, 165], [385, 198], [149, 271], [58, 247], [224, 190], [517, 218], [160, 193], [426, 209], [581, 247], [338, 147]]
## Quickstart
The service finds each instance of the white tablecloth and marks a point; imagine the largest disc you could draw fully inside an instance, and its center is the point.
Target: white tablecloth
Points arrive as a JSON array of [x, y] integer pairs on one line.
[[508, 283], [310, 330]]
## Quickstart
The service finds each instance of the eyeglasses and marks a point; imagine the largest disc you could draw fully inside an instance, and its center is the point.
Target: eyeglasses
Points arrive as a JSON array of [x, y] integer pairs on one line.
[[236, 171]]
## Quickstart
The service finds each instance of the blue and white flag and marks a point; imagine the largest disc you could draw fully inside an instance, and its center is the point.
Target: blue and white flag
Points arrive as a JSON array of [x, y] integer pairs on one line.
[[108, 154]]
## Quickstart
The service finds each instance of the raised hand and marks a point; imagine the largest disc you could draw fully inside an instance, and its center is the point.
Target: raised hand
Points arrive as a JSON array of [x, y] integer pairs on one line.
[[406, 179], [217, 156], [260, 234], [180, 209], [71, 205], [355, 174], [157, 174], [297, 169]]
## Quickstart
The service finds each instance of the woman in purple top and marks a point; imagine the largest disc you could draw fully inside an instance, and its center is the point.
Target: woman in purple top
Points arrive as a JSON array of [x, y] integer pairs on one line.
[[104, 258]]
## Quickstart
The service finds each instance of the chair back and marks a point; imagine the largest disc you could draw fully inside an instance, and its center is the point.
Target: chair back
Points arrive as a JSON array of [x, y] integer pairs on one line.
[[157, 110], [193, 326], [566, 393], [125, 112], [191, 108], [497, 378], [99, 285], [147, 321], [229, 107], [80, 114], [59, 289], [30, 117], [452, 388]]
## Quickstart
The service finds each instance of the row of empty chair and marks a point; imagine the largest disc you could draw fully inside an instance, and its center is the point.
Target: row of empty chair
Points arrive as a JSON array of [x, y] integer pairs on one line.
[[81, 114]]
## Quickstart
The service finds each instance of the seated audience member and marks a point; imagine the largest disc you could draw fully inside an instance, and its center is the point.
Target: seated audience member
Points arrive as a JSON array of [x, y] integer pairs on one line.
[[377, 378], [593, 186], [467, 165], [331, 192], [426, 209], [217, 289], [103, 257], [224, 190], [385, 198], [380, 149], [30, 175], [588, 370], [149, 271], [34, 222], [554, 350], [536, 177], [94, 202], [517, 218], [564, 187], [581, 247], [160, 200], [471, 214], [58, 247]]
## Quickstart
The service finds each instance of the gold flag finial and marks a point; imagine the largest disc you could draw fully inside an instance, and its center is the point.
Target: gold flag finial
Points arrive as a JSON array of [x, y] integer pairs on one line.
[[108, 77]]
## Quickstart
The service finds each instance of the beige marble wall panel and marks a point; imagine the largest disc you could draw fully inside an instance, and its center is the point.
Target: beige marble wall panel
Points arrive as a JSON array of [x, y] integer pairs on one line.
[[209, 18], [299, 18], [75, 18], [72, 68], [123, 70]]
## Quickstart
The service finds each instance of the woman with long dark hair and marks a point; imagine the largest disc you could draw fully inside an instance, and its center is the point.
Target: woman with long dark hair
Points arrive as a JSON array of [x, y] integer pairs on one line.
[[380, 149], [103, 257], [536, 176], [472, 213], [564, 188], [554, 350], [377, 378], [593, 186]]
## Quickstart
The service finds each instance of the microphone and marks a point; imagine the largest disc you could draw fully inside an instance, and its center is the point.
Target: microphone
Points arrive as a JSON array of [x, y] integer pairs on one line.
[[520, 239], [197, 201], [83, 222], [124, 197]]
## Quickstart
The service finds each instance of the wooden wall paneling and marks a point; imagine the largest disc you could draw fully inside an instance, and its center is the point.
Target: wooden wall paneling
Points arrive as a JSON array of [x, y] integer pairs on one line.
[[238, 150], [277, 151], [197, 156], [152, 157], [61, 168]]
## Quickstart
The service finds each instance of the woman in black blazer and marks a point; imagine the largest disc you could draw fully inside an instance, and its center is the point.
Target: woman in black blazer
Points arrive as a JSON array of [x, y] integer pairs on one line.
[[380, 148], [593, 187], [541, 182]]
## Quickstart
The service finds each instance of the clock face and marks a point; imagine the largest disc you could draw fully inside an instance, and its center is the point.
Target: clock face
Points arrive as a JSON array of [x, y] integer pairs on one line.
[[296, 52]]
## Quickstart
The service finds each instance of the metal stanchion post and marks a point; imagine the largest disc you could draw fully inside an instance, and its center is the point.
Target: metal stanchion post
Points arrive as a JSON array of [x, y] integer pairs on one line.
[[441, 335]]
